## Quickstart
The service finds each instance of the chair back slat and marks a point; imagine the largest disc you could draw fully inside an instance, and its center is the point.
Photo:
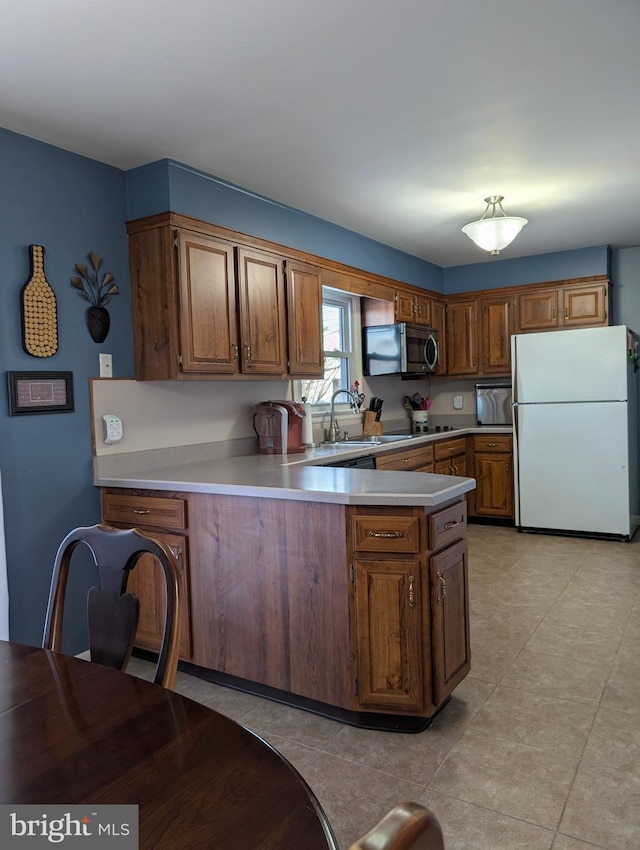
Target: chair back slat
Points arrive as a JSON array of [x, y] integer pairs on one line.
[[113, 613]]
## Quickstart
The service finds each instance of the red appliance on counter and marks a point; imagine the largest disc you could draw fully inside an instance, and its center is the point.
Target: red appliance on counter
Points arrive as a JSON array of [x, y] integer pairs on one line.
[[278, 425]]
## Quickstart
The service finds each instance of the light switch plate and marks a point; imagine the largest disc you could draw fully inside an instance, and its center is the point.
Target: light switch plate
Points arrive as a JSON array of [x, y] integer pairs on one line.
[[106, 365]]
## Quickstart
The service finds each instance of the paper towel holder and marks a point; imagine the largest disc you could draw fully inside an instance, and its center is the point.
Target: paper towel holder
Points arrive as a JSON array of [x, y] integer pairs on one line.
[[307, 426]]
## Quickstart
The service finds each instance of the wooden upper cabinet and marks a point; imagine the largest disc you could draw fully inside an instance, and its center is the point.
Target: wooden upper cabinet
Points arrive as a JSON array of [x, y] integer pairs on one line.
[[462, 337], [496, 316], [405, 310], [581, 305], [261, 307], [586, 306], [304, 314], [538, 311], [412, 307], [208, 327], [439, 323]]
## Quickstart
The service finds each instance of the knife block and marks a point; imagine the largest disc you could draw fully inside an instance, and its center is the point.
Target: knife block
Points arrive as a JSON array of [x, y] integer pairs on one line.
[[371, 428]]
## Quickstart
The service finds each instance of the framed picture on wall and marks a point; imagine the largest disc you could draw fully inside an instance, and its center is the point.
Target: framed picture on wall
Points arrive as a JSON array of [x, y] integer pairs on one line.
[[40, 392]]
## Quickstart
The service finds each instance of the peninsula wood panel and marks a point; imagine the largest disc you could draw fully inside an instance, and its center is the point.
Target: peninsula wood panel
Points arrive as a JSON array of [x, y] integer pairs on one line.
[[270, 594]]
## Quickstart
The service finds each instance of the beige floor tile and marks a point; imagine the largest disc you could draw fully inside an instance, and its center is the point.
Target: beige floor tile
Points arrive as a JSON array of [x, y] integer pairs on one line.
[[604, 808], [586, 615], [614, 741], [512, 778], [548, 675], [545, 722], [354, 797], [573, 644], [469, 827], [623, 688], [231, 703]]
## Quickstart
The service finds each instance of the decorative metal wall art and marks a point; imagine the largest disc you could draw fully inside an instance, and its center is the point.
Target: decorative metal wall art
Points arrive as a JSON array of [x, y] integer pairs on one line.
[[39, 311], [98, 293]]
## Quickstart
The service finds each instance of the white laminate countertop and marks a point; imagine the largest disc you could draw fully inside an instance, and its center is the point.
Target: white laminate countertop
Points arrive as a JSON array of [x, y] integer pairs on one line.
[[300, 477]]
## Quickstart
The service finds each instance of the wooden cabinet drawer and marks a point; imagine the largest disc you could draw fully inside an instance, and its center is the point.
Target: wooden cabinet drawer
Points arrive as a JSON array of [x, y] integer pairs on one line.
[[386, 534], [448, 525], [448, 448], [492, 443], [147, 511], [409, 459]]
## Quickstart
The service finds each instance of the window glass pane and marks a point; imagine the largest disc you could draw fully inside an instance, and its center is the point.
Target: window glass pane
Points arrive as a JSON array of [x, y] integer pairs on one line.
[[333, 327], [335, 376]]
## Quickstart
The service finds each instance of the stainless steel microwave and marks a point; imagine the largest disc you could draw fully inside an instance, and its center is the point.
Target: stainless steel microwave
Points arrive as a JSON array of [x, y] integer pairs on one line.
[[400, 349]]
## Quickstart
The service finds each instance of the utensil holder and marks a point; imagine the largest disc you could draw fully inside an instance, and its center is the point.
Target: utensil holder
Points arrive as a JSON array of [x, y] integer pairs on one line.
[[419, 421]]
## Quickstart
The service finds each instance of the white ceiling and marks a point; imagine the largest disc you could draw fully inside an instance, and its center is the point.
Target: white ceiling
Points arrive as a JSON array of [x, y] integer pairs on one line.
[[393, 118]]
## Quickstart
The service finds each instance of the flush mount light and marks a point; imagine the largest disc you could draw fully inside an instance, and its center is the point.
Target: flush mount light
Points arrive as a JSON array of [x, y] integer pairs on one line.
[[495, 232]]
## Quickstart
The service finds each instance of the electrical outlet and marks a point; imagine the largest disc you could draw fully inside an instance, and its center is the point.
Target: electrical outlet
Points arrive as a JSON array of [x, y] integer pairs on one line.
[[458, 402], [106, 366], [112, 428]]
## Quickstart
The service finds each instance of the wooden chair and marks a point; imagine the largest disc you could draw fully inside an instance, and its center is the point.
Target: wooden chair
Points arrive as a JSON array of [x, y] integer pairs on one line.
[[408, 826], [112, 613]]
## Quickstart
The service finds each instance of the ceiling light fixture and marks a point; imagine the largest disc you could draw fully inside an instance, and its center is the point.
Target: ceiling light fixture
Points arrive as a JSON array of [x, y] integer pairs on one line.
[[496, 232]]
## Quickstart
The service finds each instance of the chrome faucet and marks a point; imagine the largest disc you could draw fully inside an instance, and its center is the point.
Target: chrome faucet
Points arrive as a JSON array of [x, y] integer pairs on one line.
[[333, 422]]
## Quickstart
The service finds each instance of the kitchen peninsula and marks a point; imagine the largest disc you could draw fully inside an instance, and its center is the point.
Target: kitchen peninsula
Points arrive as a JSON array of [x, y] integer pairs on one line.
[[342, 591]]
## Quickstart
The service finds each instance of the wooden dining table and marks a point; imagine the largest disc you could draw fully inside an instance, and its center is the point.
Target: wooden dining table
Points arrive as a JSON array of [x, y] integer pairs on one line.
[[74, 732]]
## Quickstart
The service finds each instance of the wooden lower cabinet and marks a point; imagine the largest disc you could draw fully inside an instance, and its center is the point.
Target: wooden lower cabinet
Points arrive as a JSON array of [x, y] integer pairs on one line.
[[388, 626], [493, 471], [163, 517], [450, 644], [326, 603]]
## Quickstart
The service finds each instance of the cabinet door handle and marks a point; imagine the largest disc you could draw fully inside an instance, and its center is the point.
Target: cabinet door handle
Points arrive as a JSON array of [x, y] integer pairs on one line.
[[455, 469], [248, 351], [507, 467], [176, 551], [386, 535], [451, 524], [405, 460], [412, 597], [140, 511], [566, 312], [444, 586], [491, 445], [553, 313], [234, 346]]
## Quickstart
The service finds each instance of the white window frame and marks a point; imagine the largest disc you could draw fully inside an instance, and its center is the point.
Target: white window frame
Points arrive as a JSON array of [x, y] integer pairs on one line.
[[352, 354]]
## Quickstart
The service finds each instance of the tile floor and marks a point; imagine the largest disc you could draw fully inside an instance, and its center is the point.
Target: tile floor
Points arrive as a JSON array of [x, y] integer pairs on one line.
[[539, 747]]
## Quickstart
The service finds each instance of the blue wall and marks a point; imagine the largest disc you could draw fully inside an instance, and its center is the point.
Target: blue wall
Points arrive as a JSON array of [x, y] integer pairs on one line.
[[497, 274], [200, 195], [71, 205]]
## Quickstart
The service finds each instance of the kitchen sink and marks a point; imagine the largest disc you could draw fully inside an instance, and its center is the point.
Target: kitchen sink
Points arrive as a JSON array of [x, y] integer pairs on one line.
[[372, 441]]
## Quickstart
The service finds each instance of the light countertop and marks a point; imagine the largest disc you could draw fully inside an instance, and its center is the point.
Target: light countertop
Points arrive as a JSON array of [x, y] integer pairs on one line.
[[298, 477]]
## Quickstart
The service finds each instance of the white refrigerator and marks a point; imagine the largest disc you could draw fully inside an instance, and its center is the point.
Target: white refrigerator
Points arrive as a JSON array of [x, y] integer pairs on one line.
[[575, 405]]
